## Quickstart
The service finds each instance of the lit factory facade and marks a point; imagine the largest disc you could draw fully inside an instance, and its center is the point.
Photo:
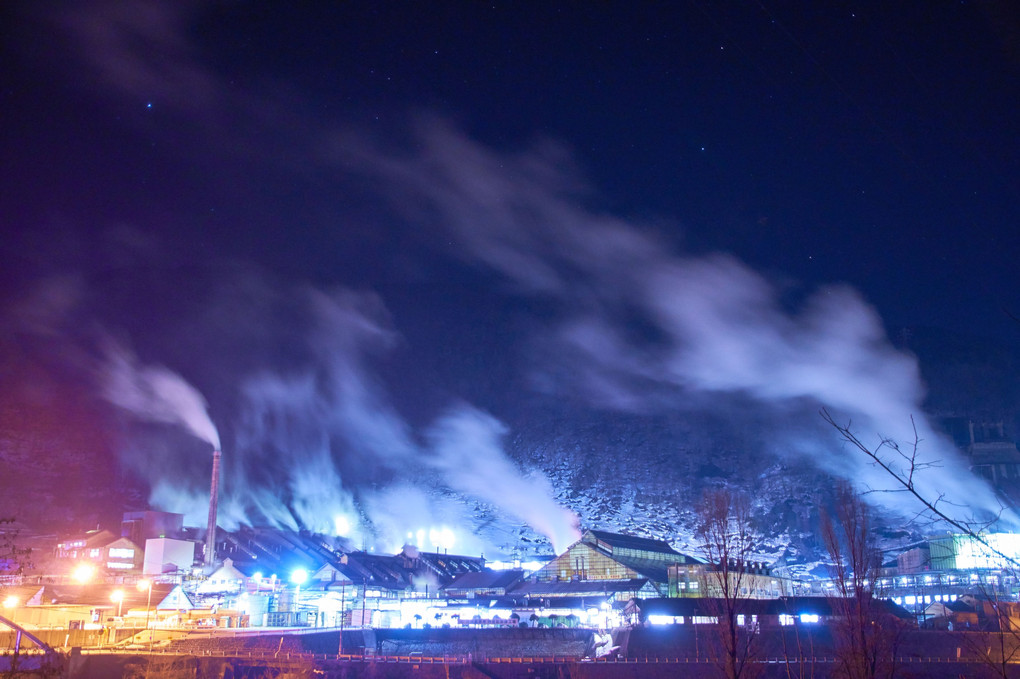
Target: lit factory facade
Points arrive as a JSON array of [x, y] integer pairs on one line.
[[155, 573]]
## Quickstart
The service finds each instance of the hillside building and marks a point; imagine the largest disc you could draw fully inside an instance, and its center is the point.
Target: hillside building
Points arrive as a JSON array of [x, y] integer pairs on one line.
[[753, 580], [604, 568]]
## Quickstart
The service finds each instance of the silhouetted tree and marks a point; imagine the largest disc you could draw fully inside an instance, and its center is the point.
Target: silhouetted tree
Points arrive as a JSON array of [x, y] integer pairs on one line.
[[13, 559], [724, 528], [999, 648], [866, 634]]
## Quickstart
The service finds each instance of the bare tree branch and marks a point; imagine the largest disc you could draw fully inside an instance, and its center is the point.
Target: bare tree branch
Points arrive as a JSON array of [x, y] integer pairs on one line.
[[905, 482]]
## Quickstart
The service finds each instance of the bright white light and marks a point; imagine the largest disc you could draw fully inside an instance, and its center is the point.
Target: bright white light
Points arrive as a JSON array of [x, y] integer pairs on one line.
[[665, 620], [809, 617], [144, 585], [117, 596], [971, 553], [298, 576], [342, 525], [11, 601], [83, 572]]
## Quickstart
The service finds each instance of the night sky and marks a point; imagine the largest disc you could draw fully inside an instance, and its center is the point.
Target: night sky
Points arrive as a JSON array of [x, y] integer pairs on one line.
[[369, 231]]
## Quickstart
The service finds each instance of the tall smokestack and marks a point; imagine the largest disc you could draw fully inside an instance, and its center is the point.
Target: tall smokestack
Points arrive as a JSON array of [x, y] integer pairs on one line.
[[210, 535]]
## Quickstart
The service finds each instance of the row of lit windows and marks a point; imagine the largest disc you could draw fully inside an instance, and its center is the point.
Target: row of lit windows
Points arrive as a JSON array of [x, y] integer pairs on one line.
[[912, 600]]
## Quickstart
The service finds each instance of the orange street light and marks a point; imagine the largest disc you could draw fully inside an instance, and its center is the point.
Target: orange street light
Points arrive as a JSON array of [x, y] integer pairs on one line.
[[83, 572], [146, 586], [118, 598]]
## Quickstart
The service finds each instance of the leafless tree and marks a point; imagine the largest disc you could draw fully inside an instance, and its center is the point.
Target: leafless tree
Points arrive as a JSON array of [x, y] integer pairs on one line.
[[999, 646], [13, 558], [904, 466], [725, 532], [866, 635], [798, 662]]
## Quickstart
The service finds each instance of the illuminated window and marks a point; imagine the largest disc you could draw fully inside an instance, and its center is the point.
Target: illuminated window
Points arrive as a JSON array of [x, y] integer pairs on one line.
[[121, 553], [809, 617], [665, 620], [117, 564]]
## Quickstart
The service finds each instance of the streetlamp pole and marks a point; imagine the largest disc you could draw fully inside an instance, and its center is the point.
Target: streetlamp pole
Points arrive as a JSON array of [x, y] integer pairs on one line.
[[343, 614], [298, 577], [147, 585]]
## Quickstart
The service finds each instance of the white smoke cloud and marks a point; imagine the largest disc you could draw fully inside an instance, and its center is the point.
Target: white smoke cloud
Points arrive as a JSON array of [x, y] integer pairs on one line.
[[406, 512], [466, 444], [156, 394], [720, 327], [324, 442]]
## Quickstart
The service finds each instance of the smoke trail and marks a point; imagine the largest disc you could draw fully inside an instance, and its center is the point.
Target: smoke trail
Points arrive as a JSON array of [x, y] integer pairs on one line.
[[323, 441], [468, 451], [406, 512], [717, 326], [156, 394], [306, 441]]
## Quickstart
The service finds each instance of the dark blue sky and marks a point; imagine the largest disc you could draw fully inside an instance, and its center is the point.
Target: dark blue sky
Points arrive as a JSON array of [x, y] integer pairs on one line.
[[610, 203], [873, 145]]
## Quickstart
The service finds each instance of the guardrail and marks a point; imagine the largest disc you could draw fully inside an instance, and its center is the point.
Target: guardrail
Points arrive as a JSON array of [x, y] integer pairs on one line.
[[470, 659]]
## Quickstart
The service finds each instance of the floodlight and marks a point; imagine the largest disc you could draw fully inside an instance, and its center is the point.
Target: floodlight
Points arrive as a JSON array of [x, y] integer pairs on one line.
[[83, 572]]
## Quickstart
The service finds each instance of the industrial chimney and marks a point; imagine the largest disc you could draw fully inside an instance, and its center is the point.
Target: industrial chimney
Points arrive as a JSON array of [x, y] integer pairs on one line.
[[210, 535]]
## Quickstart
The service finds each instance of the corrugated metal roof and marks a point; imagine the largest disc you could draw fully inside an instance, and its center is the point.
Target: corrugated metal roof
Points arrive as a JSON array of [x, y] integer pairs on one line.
[[486, 580], [578, 587], [632, 542]]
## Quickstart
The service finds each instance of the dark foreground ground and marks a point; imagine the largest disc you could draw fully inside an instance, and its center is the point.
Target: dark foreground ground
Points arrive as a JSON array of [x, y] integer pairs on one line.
[[166, 667], [508, 654]]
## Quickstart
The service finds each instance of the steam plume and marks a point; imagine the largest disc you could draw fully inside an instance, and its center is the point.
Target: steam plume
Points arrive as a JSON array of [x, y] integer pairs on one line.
[[322, 441], [467, 449], [157, 394], [718, 326]]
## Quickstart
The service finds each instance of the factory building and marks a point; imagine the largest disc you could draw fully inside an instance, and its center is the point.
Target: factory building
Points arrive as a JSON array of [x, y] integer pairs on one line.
[[278, 578], [632, 565], [750, 580]]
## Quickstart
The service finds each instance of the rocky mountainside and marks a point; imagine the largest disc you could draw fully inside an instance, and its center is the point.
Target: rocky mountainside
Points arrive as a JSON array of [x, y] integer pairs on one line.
[[635, 473]]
